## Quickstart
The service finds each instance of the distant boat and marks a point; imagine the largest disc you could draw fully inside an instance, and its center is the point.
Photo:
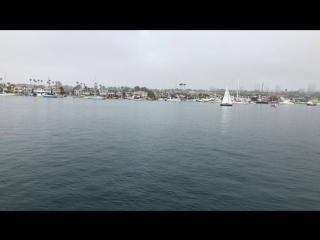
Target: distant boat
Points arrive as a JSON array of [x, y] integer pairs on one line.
[[226, 101], [95, 97], [47, 95], [216, 100], [261, 101], [173, 100], [136, 98], [274, 104], [239, 100], [311, 104], [6, 94], [286, 102]]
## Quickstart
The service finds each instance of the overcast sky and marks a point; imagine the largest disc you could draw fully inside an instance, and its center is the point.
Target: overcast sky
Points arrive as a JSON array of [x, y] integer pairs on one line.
[[161, 59]]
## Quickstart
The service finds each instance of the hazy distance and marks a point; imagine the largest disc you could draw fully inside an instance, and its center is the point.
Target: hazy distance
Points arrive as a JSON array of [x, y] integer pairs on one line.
[[163, 59]]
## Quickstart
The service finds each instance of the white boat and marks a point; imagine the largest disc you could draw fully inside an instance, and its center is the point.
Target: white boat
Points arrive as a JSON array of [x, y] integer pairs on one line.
[[160, 99], [173, 100], [137, 98], [286, 102], [216, 100], [274, 105], [95, 97], [226, 101], [239, 101], [311, 104], [4, 94], [46, 95]]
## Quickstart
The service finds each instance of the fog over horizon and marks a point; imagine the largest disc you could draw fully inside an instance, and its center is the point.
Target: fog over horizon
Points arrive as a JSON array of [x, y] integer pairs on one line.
[[162, 59]]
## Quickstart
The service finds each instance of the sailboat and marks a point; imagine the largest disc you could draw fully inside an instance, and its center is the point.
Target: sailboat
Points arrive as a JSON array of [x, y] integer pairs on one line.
[[226, 101], [2, 85], [95, 97], [239, 100]]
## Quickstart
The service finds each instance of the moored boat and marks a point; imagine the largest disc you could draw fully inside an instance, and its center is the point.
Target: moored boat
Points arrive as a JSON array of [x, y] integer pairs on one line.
[[311, 104], [47, 95], [4, 94], [286, 102], [95, 97]]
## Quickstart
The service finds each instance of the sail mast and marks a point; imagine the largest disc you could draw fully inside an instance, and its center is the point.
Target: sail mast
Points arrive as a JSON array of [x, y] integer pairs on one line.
[[95, 82], [238, 89]]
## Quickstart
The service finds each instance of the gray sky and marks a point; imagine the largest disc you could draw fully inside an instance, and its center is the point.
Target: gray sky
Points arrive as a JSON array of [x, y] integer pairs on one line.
[[160, 58]]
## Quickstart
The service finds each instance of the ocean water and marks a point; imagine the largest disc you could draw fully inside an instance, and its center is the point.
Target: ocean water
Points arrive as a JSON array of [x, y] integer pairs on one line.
[[69, 154]]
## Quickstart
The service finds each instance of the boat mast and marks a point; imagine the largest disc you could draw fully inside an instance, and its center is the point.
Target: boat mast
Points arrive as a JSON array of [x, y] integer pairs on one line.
[[95, 83], [238, 89]]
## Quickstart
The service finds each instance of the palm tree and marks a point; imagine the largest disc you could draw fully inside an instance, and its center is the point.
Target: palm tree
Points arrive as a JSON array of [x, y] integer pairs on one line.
[[30, 81], [56, 90], [38, 81], [41, 82], [34, 85]]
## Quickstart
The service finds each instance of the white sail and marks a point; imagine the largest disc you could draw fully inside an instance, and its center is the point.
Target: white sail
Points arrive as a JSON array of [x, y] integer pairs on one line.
[[226, 97]]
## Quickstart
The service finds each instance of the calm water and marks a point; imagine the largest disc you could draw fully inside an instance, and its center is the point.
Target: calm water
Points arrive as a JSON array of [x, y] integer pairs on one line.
[[79, 154]]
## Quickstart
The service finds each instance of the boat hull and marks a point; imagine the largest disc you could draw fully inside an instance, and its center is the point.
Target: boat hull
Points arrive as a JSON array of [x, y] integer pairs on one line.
[[95, 98], [49, 96], [226, 104]]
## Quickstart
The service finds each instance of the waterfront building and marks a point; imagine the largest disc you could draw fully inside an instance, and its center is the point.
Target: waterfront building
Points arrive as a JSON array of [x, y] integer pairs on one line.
[[27, 91], [77, 92]]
